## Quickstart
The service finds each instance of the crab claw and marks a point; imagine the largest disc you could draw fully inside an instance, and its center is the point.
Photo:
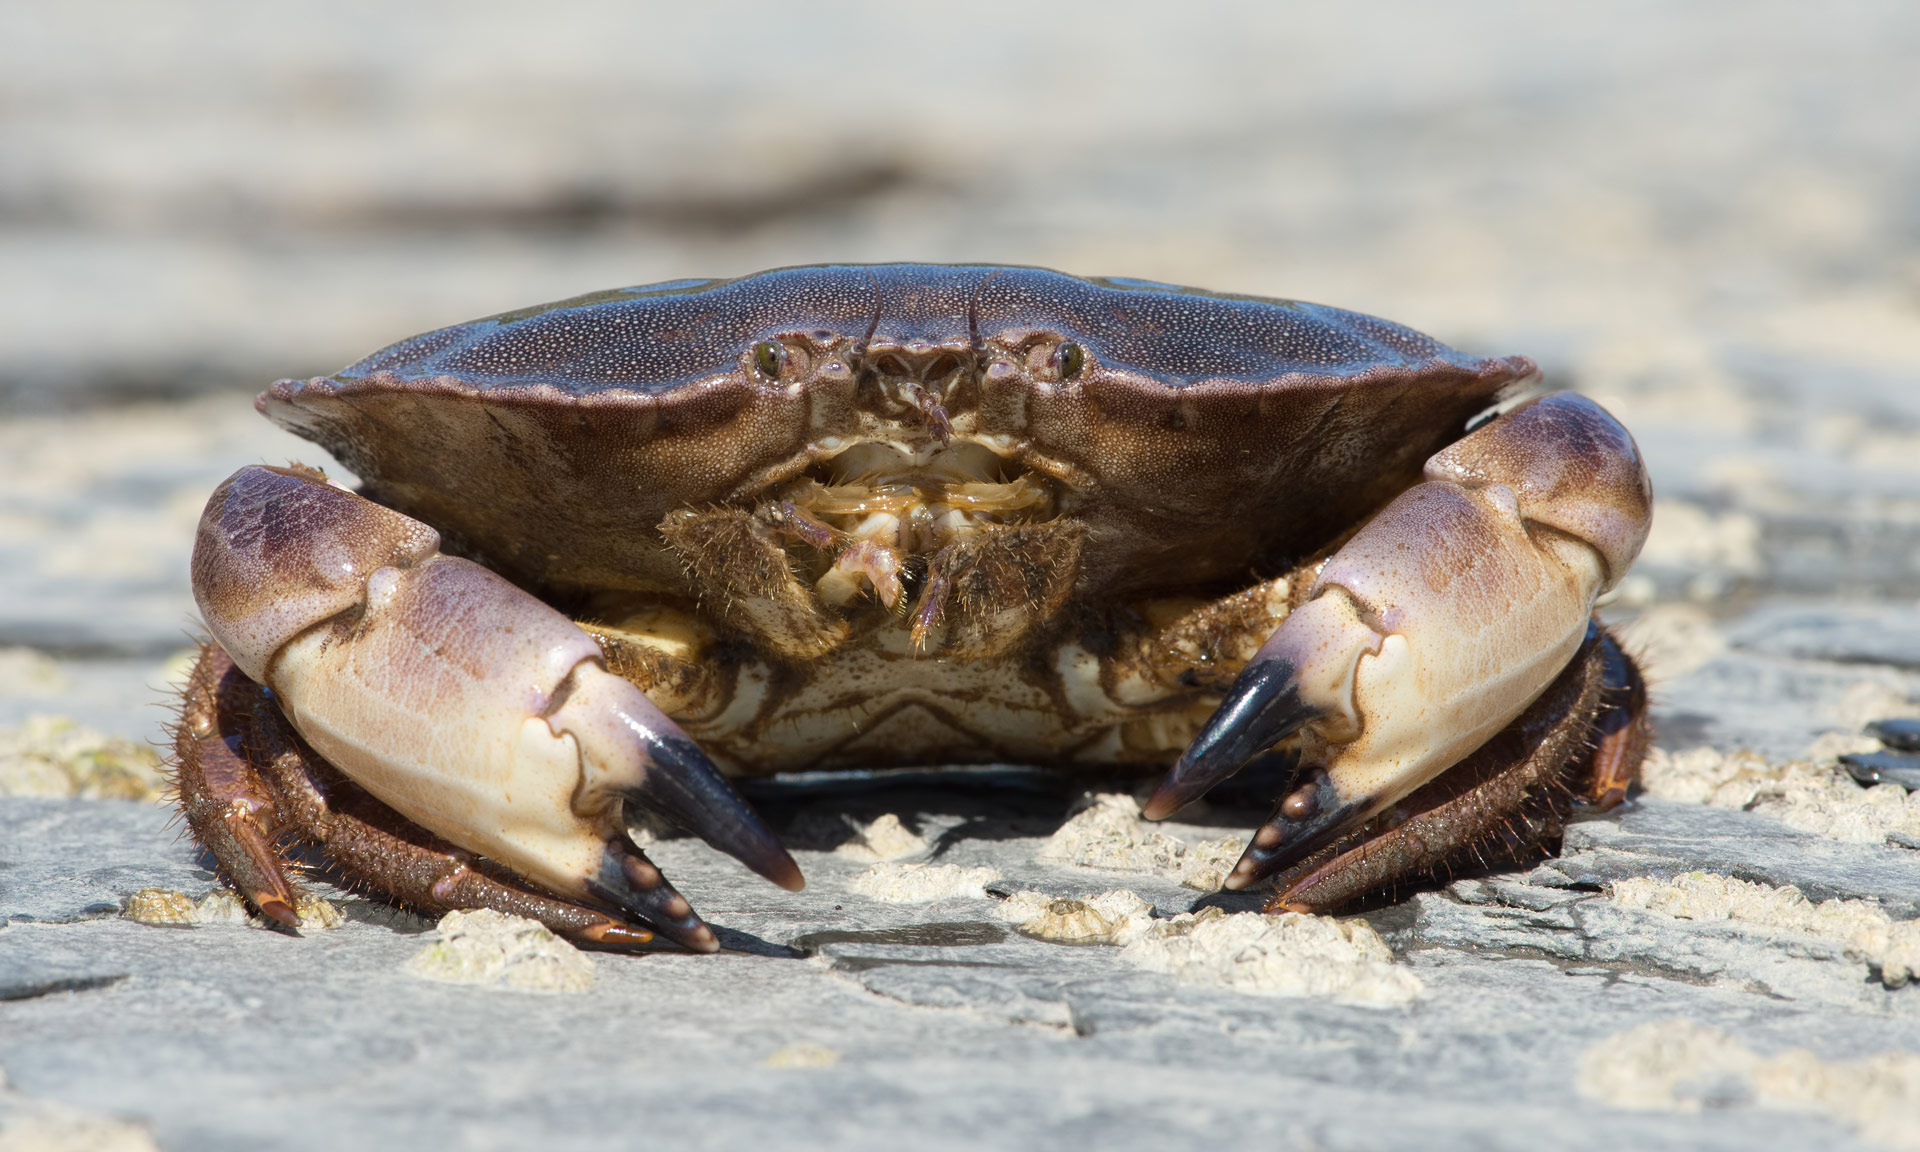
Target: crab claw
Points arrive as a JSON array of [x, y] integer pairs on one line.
[[1264, 707], [629, 750], [459, 700], [1432, 628], [630, 882]]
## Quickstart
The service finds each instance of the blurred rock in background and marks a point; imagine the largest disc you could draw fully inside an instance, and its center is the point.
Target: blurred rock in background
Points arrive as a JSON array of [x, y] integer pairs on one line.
[[1714, 204]]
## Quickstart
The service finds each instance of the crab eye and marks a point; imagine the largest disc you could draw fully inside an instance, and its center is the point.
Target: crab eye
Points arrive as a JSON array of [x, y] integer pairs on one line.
[[768, 356], [1068, 358]]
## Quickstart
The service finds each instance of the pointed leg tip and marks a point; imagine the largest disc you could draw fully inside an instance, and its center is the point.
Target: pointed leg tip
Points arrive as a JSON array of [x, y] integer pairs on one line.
[[276, 909], [617, 935], [688, 931], [629, 937], [790, 879], [1306, 820], [631, 883]]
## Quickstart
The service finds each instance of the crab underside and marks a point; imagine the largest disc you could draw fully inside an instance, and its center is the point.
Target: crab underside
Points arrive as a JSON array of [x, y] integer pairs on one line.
[[611, 552]]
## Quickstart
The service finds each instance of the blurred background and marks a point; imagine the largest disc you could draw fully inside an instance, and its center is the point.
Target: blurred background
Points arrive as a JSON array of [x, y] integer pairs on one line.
[[1707, 215]]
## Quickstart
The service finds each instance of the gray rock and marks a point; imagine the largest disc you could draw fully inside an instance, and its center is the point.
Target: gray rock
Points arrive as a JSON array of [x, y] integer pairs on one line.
[[1773, 704], [1840, 633], [1590, 930], [945, 1023], [1662, 838], [67, 860]]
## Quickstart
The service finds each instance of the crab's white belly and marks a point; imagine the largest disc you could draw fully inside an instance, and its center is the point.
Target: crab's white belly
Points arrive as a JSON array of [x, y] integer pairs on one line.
[[873, 702]]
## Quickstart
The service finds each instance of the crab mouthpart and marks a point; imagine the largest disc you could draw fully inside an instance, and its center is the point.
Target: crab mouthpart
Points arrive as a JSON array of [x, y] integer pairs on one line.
[[932, 410], [873, 507], [864, 562]]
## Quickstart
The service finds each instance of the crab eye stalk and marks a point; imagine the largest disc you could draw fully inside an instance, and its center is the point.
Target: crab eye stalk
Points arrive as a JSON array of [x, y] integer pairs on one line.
[[769, 356], [1069, 358]]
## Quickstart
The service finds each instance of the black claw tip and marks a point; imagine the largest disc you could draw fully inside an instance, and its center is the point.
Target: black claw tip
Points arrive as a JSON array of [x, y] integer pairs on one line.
[[1262, 708], [684, 788], [630, 882], [1307, 819]]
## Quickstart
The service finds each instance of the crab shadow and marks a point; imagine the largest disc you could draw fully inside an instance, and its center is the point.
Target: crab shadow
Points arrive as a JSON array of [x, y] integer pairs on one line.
[[946, 806], [823, 810]]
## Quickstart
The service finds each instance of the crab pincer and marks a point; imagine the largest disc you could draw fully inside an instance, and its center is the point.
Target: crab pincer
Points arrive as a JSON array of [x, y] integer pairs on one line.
[[464, 704], [1432, 629]]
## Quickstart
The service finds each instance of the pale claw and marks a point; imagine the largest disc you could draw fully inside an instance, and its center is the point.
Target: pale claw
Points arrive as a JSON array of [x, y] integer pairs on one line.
[[459, 700], [1432, 628]]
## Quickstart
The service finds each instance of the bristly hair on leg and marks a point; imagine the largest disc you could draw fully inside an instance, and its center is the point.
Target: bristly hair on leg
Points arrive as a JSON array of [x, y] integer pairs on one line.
[[1502, 802]]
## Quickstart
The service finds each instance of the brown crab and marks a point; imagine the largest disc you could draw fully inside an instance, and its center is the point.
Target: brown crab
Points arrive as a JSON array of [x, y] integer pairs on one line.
[[899, 515]]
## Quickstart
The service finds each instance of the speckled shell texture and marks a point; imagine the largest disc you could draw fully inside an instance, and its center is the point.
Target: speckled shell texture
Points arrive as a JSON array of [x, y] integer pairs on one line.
[[1207, 436]]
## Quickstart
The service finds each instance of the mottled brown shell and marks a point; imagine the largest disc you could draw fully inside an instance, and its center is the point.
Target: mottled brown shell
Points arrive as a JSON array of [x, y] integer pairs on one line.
[[1204, 435]]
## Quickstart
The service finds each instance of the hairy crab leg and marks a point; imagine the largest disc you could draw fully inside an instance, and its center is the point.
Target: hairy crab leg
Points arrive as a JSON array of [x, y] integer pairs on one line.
[[465, 704], [1432, 628], [1621, 732], [225, 801]]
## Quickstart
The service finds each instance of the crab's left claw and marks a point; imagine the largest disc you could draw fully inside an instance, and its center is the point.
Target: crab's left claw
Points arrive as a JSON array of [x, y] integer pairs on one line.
[[459, 700], [630, 751], [1430, 630]]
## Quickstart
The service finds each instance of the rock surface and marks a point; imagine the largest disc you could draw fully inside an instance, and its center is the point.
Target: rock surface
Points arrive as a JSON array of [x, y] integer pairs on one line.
[[935, 1016], [1680, 1066], [1701, 215]]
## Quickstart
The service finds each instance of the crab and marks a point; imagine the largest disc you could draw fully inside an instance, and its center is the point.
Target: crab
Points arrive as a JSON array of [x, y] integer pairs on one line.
[[611, 553]]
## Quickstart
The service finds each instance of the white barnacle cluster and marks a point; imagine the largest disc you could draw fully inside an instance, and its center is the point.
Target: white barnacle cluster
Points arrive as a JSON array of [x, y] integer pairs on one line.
[[1810, 794], [923, 883], [1115, 917], [1109, 835], [495, 949], [1248, 952], [1291, 954], [1862, 927], [168, 907], [54, 756], [1686, 1066], [884, 838]]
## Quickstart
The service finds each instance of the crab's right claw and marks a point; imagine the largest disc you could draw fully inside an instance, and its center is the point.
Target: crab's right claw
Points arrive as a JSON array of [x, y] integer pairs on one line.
[[1267, 703], [461, 701], [1430, 630]]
